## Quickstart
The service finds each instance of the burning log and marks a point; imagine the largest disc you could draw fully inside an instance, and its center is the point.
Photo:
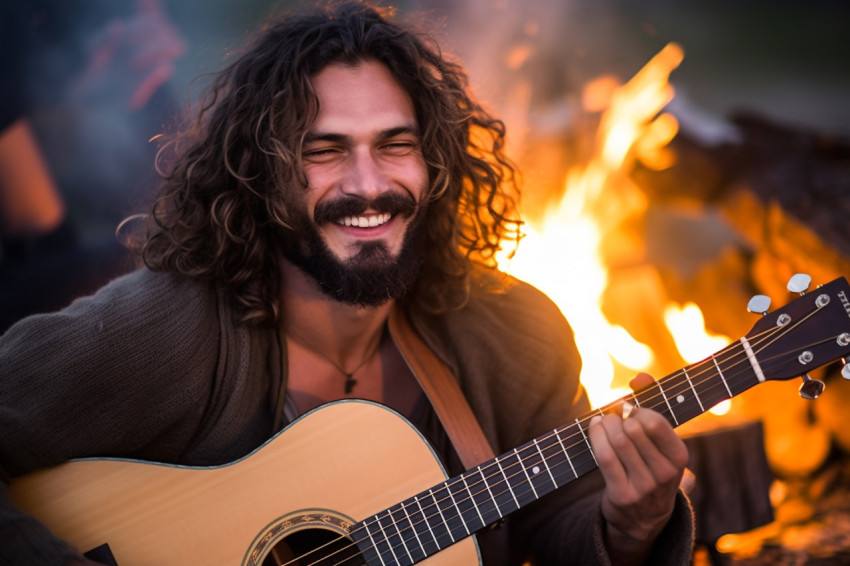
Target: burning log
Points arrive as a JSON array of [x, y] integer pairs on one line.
[[783, 189], [732, 480]]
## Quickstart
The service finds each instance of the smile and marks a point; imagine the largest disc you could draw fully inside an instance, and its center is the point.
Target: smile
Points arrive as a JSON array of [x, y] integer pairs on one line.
[[369, 221]]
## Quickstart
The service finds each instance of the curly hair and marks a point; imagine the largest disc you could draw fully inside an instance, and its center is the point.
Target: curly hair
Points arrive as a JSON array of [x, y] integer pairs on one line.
[[226, 174]]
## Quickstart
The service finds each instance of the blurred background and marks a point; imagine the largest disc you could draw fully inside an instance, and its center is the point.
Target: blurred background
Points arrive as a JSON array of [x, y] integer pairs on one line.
[[698, 150]]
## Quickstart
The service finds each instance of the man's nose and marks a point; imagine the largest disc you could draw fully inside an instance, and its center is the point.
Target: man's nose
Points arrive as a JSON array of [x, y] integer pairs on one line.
[[366, 178]]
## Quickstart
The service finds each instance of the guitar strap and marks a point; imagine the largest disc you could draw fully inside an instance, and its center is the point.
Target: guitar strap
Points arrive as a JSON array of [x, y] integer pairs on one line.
[[444, 392]]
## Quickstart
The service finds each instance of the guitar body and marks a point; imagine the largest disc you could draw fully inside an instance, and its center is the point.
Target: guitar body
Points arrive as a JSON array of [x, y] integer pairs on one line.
[[333, 467]]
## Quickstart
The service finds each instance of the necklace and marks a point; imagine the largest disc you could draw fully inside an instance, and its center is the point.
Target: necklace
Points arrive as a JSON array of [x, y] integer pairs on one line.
[[350, 382]]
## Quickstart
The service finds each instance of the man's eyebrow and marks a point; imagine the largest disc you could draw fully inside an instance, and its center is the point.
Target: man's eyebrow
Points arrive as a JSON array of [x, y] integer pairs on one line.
[[400, 131], [313, 136], [319, 136]]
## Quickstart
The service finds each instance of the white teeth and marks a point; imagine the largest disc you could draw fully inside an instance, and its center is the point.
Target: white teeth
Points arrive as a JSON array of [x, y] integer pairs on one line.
[[366, 221]]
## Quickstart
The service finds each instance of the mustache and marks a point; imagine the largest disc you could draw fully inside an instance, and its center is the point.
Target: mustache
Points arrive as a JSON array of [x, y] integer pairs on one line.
[[393, 203]]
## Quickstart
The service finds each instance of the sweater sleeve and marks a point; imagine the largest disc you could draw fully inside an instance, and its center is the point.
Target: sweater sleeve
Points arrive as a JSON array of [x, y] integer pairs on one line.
[[121, 373]]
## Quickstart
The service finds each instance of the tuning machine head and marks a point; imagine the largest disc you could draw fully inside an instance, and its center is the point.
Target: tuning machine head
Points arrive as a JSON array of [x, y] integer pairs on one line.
[[799, 283], [759, 304], [811, 388]]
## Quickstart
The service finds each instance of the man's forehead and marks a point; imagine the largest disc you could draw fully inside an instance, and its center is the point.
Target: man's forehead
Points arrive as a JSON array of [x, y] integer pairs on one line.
[[365, 96]]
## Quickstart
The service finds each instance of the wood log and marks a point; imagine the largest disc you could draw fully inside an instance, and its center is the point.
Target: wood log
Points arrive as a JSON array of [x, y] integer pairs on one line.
[[732, 480]]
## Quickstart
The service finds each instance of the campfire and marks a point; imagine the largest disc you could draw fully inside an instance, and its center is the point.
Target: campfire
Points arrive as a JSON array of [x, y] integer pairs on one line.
[[608, 249], [575, 246]]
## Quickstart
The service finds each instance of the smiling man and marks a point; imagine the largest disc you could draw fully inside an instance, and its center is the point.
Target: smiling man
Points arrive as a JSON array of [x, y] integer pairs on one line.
[[338, 173], [360, 236]]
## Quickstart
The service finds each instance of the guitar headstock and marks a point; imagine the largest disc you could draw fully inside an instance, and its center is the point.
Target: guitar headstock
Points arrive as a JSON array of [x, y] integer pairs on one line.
[[807, 333]]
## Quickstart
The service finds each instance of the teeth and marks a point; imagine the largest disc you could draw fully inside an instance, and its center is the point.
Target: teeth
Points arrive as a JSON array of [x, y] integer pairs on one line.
[[365, 221]]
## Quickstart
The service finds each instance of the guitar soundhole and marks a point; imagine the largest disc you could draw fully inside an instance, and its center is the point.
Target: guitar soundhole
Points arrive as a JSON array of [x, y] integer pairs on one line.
[[308, 537], [314, 547]]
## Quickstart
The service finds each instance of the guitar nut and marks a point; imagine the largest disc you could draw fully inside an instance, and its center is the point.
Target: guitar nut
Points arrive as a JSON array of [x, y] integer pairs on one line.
[[822, 300], [843, 339], [783, 319], [806, 357]]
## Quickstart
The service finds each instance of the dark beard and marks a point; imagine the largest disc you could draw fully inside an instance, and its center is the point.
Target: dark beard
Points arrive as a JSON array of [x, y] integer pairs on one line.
[[372, 277]]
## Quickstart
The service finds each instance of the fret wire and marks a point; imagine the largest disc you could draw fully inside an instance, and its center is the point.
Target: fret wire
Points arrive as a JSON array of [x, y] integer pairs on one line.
[[564, 450], [508, 483], [691, 384], [375, 544], [525, 471], [397, 525], [459, 512], [720, 373], [387, 539], [474, 503], [409, 521], [416, 531], [587, 441], [487, 485], [667, 401], [442, 515], [543, 459]]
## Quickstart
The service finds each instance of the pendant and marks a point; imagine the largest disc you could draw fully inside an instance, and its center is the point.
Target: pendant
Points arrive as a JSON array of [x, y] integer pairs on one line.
[[350, 382]]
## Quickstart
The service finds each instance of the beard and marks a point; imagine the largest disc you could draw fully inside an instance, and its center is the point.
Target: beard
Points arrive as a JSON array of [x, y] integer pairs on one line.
[[372, 276]]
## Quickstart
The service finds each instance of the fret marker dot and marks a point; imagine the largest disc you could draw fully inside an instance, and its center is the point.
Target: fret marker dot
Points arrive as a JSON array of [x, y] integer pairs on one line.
[[680, 398], [535, 470]]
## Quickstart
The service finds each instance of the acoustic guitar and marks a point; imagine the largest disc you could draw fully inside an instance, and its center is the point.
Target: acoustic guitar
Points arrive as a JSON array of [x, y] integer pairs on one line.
[[352, 482]]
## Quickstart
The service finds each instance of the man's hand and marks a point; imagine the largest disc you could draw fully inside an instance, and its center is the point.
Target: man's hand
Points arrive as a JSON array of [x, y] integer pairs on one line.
[[642, 460]]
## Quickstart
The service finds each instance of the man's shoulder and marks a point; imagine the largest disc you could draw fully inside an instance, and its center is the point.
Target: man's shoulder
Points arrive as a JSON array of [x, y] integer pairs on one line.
[[144, 294], [510, 311], [144, 282], [515, 301]]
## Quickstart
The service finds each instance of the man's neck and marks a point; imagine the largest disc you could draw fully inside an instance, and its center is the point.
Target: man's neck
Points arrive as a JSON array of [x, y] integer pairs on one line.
[[340, 331]]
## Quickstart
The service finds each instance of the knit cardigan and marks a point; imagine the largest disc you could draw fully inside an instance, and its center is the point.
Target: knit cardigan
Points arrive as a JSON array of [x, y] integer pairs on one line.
[[154, 367]]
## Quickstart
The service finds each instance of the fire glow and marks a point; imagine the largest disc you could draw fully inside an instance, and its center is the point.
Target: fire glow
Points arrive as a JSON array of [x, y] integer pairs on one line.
[[565, 253]]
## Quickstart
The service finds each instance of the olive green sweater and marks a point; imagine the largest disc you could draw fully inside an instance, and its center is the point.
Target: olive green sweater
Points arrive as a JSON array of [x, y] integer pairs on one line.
[[154, 367]]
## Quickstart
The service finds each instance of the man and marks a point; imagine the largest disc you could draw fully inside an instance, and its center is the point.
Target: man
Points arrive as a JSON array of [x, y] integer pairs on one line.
[[337, 171]]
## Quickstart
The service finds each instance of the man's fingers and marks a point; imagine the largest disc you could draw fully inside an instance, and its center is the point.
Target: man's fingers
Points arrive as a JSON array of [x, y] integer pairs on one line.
[[656, 430]]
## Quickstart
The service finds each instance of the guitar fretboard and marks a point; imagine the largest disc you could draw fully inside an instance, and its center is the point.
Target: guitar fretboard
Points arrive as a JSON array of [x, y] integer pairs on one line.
[[437, 518]]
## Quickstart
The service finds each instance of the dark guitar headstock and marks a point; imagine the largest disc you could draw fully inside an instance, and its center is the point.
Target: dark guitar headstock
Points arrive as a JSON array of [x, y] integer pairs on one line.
[[807, 333]]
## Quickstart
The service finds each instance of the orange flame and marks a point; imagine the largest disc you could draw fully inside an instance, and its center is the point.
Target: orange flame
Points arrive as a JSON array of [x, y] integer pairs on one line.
[[564, 253]]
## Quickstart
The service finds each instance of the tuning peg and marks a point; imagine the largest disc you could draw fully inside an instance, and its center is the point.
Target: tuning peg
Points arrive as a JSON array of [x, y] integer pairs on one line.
[[811, 388], [799, 283], [845, 371], [759, 304]]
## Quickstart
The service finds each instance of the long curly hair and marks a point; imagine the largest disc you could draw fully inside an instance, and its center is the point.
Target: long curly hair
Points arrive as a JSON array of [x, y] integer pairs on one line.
[[223, 202]]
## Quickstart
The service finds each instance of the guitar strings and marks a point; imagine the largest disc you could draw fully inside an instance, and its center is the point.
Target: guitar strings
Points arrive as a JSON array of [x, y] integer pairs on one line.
[[479, 469], [519, 462], [761, 341]]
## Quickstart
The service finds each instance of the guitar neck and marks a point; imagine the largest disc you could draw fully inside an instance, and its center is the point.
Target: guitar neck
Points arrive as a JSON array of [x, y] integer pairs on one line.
[[438, 517]]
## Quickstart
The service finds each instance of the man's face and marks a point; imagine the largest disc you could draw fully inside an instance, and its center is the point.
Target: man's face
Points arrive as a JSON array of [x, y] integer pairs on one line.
[[366, 176]]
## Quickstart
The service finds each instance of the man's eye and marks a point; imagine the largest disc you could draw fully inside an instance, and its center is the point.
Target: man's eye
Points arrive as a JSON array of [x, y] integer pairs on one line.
[[321, 153], [400, 147]]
